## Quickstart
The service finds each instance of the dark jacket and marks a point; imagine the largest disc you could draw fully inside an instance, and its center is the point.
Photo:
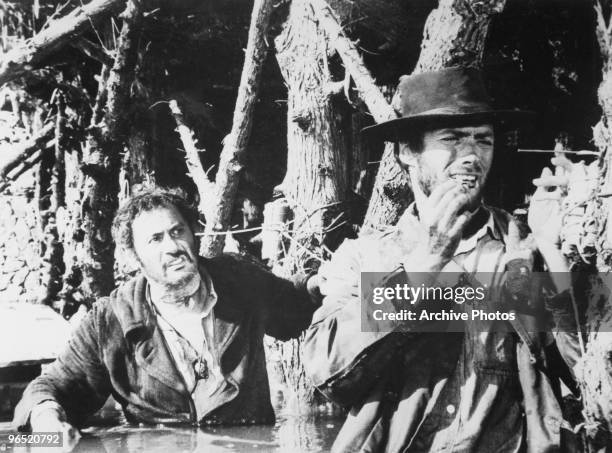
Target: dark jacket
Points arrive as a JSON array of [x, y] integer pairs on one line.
[[386, 379], [118, 349]]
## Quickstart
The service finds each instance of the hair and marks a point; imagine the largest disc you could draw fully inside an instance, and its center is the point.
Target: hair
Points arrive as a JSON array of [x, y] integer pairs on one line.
[[144, 200]]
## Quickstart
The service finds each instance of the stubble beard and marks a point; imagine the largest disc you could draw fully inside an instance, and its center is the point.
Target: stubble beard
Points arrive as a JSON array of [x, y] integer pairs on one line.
[[176, 291]]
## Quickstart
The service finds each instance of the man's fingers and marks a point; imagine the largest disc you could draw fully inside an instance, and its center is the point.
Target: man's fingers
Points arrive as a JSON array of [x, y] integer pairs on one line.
[[450, 213], [562, 162], [460, 222], [551, 181], [441, 191], [542, 194]]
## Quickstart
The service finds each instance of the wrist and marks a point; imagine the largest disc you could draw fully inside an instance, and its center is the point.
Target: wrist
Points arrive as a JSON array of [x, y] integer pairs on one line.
[[46, 408]]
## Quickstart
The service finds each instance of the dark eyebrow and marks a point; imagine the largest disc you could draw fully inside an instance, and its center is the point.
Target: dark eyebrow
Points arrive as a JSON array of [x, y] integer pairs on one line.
[[484, 135]]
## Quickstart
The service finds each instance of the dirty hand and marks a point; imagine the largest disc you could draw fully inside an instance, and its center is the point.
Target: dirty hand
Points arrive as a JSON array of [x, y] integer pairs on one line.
[[545, 208], [443, 217], [49, 419]]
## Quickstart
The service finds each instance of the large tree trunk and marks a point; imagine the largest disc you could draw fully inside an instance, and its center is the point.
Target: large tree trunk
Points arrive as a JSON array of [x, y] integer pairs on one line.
[[455, 34], [101, 164], [315, 184]]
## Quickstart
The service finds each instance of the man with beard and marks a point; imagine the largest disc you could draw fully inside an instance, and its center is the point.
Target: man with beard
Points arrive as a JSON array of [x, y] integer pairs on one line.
[[411, 387], [182, 342]]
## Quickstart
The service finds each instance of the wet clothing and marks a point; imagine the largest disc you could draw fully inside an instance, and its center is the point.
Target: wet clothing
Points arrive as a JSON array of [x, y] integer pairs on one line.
[[119, 349], [485, 389]]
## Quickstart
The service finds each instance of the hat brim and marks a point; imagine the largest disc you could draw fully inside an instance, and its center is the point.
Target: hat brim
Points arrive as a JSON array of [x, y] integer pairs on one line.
[[397, 129]]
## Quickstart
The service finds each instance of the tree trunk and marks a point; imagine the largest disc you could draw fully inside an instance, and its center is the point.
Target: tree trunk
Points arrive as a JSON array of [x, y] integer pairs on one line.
[[315, 185], [101, 164], [454, 34], [51, 198], [219, 209], [192, 158], [58, 33]]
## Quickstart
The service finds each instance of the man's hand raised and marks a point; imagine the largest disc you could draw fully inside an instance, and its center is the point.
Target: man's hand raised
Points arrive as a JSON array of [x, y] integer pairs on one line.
[[443, 217]]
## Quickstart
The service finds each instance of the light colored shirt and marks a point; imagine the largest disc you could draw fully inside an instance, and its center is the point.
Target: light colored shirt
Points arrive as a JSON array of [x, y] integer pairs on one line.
[[189, 334], [484, 390]]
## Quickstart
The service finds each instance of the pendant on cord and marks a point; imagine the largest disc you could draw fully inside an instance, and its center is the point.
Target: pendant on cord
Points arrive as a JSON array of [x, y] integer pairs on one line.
[[200, 366]]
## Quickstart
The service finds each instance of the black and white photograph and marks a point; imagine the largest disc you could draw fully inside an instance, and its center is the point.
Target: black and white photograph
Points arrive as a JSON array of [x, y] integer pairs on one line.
[[303, 226]]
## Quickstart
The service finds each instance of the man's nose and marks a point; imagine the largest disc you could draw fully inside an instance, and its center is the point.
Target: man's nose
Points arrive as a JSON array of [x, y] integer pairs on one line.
[[468, 147], [170, 245]]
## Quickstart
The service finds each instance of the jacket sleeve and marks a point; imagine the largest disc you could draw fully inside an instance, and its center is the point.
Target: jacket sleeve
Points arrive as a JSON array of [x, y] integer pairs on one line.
[[77, 380], [289, 304], [343, 361]]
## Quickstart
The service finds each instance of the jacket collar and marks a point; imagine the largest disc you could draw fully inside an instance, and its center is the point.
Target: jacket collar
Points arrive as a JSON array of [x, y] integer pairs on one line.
[[138, 323]]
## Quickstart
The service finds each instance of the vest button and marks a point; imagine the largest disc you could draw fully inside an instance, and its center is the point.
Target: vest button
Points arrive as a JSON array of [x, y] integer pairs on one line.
[[450, 409]]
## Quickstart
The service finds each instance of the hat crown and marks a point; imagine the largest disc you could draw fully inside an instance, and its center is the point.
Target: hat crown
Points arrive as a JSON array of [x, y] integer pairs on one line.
[[450, 91]]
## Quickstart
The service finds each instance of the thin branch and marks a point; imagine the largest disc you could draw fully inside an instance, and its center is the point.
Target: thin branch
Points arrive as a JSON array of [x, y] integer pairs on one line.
[[192, 156], [93, 51], [23, 151], [354, 64]]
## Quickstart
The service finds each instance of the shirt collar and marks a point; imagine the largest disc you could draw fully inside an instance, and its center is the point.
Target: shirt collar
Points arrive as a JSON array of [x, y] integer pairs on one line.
[[410, 218]]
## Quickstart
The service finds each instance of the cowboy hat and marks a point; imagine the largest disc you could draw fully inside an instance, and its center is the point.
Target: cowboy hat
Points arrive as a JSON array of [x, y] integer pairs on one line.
[[449, 96]]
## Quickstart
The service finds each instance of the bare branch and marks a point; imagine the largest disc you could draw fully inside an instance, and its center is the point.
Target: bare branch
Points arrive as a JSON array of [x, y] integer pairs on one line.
[[354, 64], [192, 156], [235, 143], [23, 151], [93, 51]]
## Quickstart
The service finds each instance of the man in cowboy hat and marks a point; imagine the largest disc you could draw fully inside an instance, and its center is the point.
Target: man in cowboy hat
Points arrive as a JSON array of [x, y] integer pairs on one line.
[[480, 390]]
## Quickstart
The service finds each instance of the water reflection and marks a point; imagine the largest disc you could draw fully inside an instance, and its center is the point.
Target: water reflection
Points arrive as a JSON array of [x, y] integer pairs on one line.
[[291, 433]]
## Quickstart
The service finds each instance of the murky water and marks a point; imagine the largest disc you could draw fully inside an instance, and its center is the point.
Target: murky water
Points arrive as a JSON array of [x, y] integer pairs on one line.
[[289, 434]]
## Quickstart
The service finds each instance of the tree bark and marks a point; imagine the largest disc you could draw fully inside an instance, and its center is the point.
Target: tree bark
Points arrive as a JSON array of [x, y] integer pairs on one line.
[[58, 33], [102, 160], [315, 184], [454, 34], [234, 147], [594, 370], [51, 198], [192, 159], [25, 150]]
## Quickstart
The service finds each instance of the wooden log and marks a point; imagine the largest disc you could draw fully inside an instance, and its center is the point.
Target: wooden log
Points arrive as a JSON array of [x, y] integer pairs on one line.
[[192, 158], [234, 146], [454, 34], [25, 150], [102, 161], [58, 33]]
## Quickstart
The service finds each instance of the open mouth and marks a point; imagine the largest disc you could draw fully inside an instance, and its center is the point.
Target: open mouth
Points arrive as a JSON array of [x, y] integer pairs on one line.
[[467, 180]]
